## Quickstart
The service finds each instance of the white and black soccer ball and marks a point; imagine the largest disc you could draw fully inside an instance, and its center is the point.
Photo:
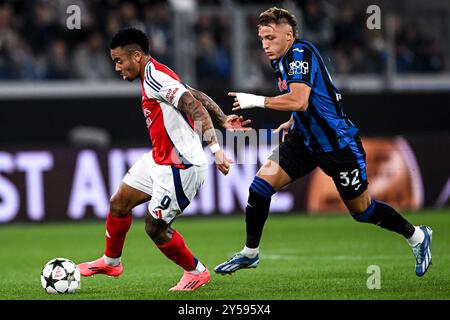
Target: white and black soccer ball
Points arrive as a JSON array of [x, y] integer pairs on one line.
[[60, 275]]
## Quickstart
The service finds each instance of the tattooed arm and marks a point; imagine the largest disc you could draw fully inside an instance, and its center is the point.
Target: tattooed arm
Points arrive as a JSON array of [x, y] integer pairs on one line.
[[214, 110], [231, 122], [199, 114]]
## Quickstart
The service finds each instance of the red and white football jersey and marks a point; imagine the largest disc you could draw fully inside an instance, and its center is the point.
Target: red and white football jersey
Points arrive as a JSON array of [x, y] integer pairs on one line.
[[174, 140]]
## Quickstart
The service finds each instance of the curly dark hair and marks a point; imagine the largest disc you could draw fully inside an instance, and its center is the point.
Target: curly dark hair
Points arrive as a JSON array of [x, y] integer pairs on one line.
[[130, 37]]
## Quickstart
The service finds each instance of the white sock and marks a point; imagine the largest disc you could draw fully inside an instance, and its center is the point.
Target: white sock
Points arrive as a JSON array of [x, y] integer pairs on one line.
[[111, 261], [198, 269], [417, 237], [250, 252]]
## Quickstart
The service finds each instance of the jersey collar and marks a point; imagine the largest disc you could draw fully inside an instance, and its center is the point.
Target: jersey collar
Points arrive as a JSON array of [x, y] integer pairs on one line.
[[276, 61]]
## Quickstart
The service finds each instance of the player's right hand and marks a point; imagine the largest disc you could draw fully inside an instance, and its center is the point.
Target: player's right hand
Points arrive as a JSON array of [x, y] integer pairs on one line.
[[236, 123], [284, 127], [222, 162]]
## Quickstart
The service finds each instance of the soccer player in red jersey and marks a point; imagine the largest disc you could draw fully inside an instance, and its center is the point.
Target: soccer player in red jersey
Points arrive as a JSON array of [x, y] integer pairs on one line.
[[172, 173]]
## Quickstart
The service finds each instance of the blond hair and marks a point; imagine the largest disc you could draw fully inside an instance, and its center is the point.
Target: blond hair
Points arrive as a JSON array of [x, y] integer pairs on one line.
[[278, 16]]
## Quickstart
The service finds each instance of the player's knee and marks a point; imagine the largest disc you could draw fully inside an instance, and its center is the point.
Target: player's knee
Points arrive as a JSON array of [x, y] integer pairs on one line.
[[151, 227], [118, 206], [155, 229], [365, 216], [357, 205], [261, 187]]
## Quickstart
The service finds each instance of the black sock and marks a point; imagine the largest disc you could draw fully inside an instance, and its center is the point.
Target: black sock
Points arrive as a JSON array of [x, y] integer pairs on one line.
[[386, 217], [257, 210]]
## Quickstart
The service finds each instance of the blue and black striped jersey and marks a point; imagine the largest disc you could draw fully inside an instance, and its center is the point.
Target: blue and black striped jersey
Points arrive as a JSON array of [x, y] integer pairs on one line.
[[324, 126]]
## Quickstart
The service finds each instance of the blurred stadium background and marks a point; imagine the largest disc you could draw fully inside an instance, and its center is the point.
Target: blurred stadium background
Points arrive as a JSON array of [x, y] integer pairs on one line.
[[70, 127]]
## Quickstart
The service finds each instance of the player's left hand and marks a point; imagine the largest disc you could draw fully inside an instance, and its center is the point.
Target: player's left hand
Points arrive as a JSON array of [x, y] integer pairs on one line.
[[235, 123], [284, 128], [222, 162]]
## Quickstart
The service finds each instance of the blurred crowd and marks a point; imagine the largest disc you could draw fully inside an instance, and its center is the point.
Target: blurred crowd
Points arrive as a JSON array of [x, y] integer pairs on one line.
[[35, 43], [354, 48]]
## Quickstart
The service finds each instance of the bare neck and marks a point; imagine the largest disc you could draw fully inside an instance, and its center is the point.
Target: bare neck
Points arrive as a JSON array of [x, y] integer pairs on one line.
[[142, 67]]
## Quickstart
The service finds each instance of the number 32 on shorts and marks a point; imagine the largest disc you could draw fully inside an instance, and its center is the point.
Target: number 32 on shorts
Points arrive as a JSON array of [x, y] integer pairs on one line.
[[350, 178]]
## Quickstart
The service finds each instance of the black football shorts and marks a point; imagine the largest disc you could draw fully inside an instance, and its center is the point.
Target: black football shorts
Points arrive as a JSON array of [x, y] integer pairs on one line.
[[347, 166]]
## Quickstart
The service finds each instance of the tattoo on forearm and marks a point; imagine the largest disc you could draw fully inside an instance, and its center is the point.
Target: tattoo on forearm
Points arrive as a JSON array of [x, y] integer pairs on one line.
[[198, 114], [214, 110]]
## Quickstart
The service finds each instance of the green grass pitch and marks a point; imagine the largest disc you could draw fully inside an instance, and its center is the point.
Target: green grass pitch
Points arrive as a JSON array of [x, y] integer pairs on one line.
[[302, 257]]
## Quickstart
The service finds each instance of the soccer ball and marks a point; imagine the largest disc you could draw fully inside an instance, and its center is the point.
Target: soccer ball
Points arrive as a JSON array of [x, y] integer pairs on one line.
[[60, 275]]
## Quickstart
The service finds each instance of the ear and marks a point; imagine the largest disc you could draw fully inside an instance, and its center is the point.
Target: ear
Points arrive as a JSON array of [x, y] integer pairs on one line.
[[137, 56], [289, 35]]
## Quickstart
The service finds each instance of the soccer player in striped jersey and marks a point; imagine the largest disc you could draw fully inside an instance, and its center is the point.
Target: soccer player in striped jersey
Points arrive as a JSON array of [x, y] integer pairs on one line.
[[171, 174], [318, 134]]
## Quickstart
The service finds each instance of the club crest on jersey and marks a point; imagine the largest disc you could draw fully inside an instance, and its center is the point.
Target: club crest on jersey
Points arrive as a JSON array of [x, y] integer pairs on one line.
[[298, 67], [282, 85]]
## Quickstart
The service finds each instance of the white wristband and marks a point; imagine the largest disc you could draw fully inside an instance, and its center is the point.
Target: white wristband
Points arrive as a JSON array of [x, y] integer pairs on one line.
[[247, 100], [214, 148]]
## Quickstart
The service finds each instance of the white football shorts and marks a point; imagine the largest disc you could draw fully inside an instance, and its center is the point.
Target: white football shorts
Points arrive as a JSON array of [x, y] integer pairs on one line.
[[172, 189]]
